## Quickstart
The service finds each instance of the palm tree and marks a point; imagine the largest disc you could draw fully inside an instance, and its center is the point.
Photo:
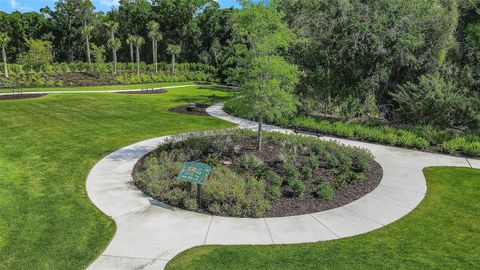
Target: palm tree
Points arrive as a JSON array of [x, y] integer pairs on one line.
[[173, 50], [130, 44], [86, 31], [155, 36], [113, 44], [138, 41], [4, 40]]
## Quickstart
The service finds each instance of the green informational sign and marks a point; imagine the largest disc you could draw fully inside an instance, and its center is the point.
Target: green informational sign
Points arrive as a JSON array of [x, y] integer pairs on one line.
[[194, 172]]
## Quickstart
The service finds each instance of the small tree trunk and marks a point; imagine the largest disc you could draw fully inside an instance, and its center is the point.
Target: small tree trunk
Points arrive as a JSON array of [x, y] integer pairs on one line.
[[155, 57], [114, 62], [5, 67], [131, 53], [215, 56], [88, 51], [259, 137], [138, 60], [173, 64]]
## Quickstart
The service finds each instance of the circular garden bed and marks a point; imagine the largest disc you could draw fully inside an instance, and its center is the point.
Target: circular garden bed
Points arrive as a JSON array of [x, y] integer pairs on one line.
[[22, 96], [198, 109], [290, 175]]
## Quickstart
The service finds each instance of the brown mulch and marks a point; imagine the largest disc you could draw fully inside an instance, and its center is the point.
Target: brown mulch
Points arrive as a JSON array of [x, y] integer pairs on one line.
[[289, 205], [310, 203], [86, 78], [21, 96], [140, 92], [201, 110]]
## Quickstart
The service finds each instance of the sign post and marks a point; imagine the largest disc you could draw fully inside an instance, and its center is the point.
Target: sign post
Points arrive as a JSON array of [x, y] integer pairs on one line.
[[196, 173]]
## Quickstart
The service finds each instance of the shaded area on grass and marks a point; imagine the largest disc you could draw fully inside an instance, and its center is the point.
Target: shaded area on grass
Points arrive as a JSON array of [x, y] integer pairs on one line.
[[442, 233], [20, 96]]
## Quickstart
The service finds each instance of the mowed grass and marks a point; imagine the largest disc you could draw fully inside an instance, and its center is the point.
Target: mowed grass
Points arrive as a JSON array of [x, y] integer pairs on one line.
[[48, 146], [109, 87], [442, 233]]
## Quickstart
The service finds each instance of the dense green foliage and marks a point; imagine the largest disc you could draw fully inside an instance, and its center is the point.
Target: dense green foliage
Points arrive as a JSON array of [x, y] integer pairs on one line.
[[376, 56], [252, 180], [442, 233], [200, 26], [47, 220], [403, 60]]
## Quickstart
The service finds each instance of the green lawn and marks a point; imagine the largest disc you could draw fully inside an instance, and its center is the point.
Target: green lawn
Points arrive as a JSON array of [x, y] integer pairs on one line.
[[47, 147], [110, 87], [442, 233]]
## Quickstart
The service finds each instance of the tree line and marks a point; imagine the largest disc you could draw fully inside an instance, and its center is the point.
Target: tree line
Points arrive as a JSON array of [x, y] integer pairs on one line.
[[76, 32], [415, 61]]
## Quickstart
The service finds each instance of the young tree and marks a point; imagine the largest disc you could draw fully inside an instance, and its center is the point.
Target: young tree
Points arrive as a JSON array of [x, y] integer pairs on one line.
[[113, 43], [4, 40], [138, 42], [173, 50], [39, 53], [98, 53], [86, 35], [268, 79], [130, 41], [155, 36], [269, 90]]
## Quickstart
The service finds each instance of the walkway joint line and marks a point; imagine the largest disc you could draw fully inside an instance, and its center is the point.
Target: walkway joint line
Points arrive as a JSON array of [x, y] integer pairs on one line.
[[469, 164], [268, 229], [362, 215], [338, 236], [208, 230]]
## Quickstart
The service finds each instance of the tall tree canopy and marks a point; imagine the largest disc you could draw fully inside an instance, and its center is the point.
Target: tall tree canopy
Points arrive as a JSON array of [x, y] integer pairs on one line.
[[65, 22]]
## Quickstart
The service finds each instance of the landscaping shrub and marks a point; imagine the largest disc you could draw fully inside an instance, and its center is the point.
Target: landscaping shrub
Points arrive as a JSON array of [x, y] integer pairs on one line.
[[297, 186], [274, 192], [416, 137], [274, 178], [84, 74], [291, 172], [325, 191]]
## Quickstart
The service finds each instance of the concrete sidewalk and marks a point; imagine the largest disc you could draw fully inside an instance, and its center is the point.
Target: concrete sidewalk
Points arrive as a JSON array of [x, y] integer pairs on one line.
[[150, 233]]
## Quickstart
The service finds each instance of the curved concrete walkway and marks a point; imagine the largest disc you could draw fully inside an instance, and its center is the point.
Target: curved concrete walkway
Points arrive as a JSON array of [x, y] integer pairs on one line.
[[117, 91], [150, 233]]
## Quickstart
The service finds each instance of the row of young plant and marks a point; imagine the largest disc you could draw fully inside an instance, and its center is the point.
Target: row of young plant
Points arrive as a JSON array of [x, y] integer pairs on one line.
[[42, 80], [419, 137], [250, 187], [19, 69]]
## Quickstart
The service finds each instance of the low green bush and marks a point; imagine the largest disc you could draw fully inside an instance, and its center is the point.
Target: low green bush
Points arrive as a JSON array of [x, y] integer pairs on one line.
[[249, 162], [416, 137], [274, 192], [291, 172], [274, 178], [190, 203], [469, 146], [325, 191], [297, 186]]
